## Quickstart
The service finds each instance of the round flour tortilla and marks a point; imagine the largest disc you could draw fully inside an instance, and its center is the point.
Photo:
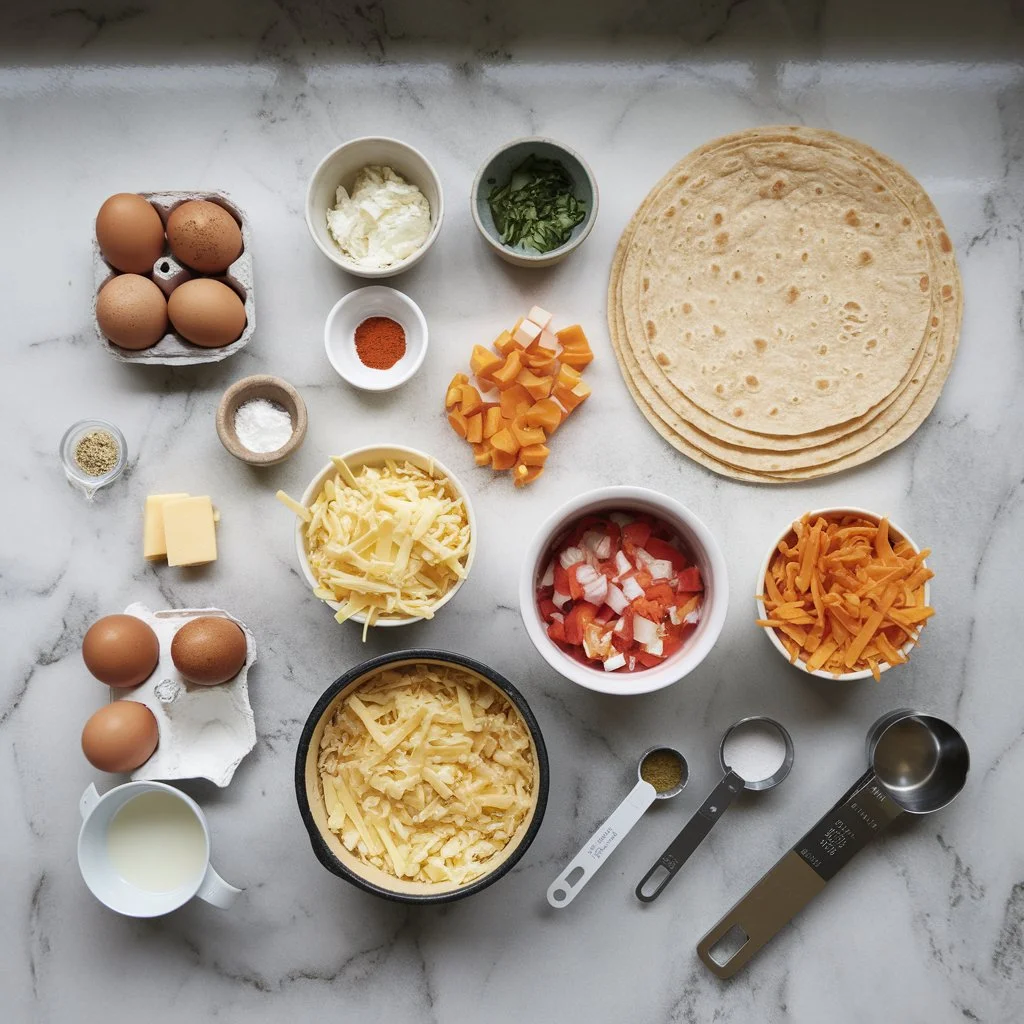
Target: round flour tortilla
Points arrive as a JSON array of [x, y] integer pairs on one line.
[[765, 457]]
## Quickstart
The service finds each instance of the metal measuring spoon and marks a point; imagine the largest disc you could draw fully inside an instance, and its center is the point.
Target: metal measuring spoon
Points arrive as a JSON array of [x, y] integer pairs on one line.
[[565, 888], [919, 763], [739, 747]]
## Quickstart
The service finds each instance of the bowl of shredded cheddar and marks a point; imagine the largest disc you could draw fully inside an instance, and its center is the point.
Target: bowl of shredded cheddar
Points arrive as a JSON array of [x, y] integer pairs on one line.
[[844, 594], [385, 535], [421, 776]]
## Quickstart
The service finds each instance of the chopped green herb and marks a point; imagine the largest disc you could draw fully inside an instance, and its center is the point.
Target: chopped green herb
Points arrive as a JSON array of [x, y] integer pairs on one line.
[[536, 207]]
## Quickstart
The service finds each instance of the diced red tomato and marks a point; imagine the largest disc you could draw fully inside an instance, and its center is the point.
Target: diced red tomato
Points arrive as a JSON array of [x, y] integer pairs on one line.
[[547, 608], [577, 620], [689, 581], [635, 535], [662, 593], [652, 610], [671, 643], [605, 615], [646, 659], [662, 549], [561, 579], [575, 587], [557, 632]]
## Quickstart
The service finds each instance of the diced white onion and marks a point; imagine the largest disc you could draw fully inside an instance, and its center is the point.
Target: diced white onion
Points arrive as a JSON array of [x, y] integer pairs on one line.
[[656, 647], [660, 569], [692, 618], [619, 626], [644, 631], [622, 563], [570, 556], [616, 599], [557, 617], [632, 662], [620, 518], [617, 660], [559, 600], [674, 616], [548, 579], [600, 544], [644, 557], [631, 588]]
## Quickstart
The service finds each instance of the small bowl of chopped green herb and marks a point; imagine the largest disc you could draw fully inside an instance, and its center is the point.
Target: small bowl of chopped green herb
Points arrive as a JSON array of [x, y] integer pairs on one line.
[[534, 201]]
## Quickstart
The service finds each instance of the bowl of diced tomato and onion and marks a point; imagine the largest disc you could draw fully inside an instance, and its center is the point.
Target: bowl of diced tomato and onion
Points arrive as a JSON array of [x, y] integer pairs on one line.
[[624, 590]]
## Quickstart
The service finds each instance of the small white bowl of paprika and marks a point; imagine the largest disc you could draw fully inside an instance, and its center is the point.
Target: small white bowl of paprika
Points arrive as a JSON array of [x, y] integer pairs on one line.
[[376, 338]]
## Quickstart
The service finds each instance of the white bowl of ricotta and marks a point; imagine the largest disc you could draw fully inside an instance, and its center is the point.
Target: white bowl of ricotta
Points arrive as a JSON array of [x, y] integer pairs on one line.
[[374, 206]]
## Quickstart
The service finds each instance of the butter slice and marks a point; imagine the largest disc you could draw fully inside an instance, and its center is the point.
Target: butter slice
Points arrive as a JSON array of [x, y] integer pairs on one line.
[[153, 543], [189, 531]]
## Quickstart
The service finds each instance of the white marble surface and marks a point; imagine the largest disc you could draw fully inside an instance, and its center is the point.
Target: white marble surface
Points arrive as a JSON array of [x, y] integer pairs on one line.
[[925, 926]]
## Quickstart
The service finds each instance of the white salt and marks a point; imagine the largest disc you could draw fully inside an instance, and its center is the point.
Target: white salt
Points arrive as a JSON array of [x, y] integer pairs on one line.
[[263, 426], [755, 751]]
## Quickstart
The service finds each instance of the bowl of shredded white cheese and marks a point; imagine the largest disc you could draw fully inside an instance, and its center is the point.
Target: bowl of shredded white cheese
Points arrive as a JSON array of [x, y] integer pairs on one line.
[[374, 206]]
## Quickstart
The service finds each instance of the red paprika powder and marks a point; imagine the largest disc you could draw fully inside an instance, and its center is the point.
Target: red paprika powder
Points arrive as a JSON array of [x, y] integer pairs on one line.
[[380, 342]]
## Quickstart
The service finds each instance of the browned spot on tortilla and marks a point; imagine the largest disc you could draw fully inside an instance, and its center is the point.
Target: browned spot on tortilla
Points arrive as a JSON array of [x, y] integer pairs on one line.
[[670, 213], [924, 282], [944, 243], [792, 294], [871, 343], [760, 278], [651, 329], [947, 291], [663, 359], [715, 268], [687, 308], [865, 258], [719, 332], [682, 179], [879, 188], [823, 350], [717, 219], [818, 191], [647, 283], [722, 239], [760, 344], [852, 219], [752, 381], [719, 389], [778, 187], [906, 222], [737, 412], [853, 307], [935, 321], [822, 385], [773, 411]]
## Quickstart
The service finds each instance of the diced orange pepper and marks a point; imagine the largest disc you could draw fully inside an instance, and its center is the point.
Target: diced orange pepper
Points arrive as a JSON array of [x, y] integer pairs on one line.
[[475, 428], [492, 419], [458, 422], [567, 376], [482, 454], [483, 361], [526, 435], [514, 401], [571, 397], [534, 454], [542, 364], [505, 375], [502, 460], [454, 393], [504, 441], [523, 475], [538, 387], [546, 413], [505, 343], [471, 401], [576, 351]]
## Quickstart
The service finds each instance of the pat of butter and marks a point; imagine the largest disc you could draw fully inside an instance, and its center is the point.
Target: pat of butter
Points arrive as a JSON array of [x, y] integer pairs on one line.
[[189, 531], [153, 543]]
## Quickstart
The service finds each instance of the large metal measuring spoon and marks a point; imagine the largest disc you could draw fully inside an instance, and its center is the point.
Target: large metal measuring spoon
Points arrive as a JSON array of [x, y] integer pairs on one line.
[[566, 887], [919, 763], [756, 753]]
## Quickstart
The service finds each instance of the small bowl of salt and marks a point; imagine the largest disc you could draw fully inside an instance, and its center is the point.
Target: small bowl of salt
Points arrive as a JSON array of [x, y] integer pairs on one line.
[[261, 420]]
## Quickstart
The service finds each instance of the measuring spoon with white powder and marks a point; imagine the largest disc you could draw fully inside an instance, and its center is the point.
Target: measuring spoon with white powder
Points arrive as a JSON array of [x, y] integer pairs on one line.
[[756, 754]]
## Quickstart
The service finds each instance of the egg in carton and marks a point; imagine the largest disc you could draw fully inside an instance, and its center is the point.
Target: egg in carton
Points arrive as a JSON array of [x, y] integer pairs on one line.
[[205, 731], [168, 273]]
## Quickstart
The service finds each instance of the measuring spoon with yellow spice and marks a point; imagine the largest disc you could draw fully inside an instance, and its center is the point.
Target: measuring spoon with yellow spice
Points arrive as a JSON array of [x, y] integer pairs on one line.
[[661, 774]]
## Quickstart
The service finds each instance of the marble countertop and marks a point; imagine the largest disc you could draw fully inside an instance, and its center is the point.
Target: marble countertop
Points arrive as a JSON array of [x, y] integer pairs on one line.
[[246, 97]]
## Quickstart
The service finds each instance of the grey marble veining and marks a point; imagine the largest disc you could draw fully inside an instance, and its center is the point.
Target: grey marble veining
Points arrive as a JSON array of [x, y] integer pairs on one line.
[[928, 925]]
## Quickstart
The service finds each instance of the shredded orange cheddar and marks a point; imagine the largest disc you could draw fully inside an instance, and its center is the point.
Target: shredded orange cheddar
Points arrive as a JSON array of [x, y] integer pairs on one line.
[[845, 594]]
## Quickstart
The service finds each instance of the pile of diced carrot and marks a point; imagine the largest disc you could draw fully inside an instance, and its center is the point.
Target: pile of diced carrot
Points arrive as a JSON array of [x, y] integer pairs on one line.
[[525, 386]]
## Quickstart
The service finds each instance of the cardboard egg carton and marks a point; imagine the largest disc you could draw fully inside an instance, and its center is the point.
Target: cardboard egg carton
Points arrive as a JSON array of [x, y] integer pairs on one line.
[[205, 731], [168, 273]]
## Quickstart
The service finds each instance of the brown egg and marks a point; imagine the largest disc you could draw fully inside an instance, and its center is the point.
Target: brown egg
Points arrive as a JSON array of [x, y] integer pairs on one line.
[[208, 650], [120, 650], [120, 737], [130, 233], [206, 312], [132, 312], [204, 236]]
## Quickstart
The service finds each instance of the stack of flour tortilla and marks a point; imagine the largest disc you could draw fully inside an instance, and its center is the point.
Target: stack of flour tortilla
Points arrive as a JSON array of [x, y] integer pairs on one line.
[[785, 304]]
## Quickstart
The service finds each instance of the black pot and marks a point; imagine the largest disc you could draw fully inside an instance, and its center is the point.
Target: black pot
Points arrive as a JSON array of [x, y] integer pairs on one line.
[[306, 780]]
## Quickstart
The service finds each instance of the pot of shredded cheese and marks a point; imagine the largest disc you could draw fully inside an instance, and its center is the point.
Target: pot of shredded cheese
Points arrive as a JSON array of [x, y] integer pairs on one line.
[[421, 776], [384, 535]]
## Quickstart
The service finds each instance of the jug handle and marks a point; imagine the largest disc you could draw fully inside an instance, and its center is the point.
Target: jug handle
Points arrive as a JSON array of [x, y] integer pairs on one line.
[[89, 799], [215, 891]]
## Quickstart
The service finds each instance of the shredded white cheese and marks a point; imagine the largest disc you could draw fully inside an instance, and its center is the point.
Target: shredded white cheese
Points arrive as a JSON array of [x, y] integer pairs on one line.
[[427, 773], [390, 540]]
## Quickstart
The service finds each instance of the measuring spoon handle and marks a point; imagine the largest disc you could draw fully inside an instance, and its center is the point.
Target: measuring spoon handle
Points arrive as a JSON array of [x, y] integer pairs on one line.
[[565, 888], [690, 837], [864, 811]]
